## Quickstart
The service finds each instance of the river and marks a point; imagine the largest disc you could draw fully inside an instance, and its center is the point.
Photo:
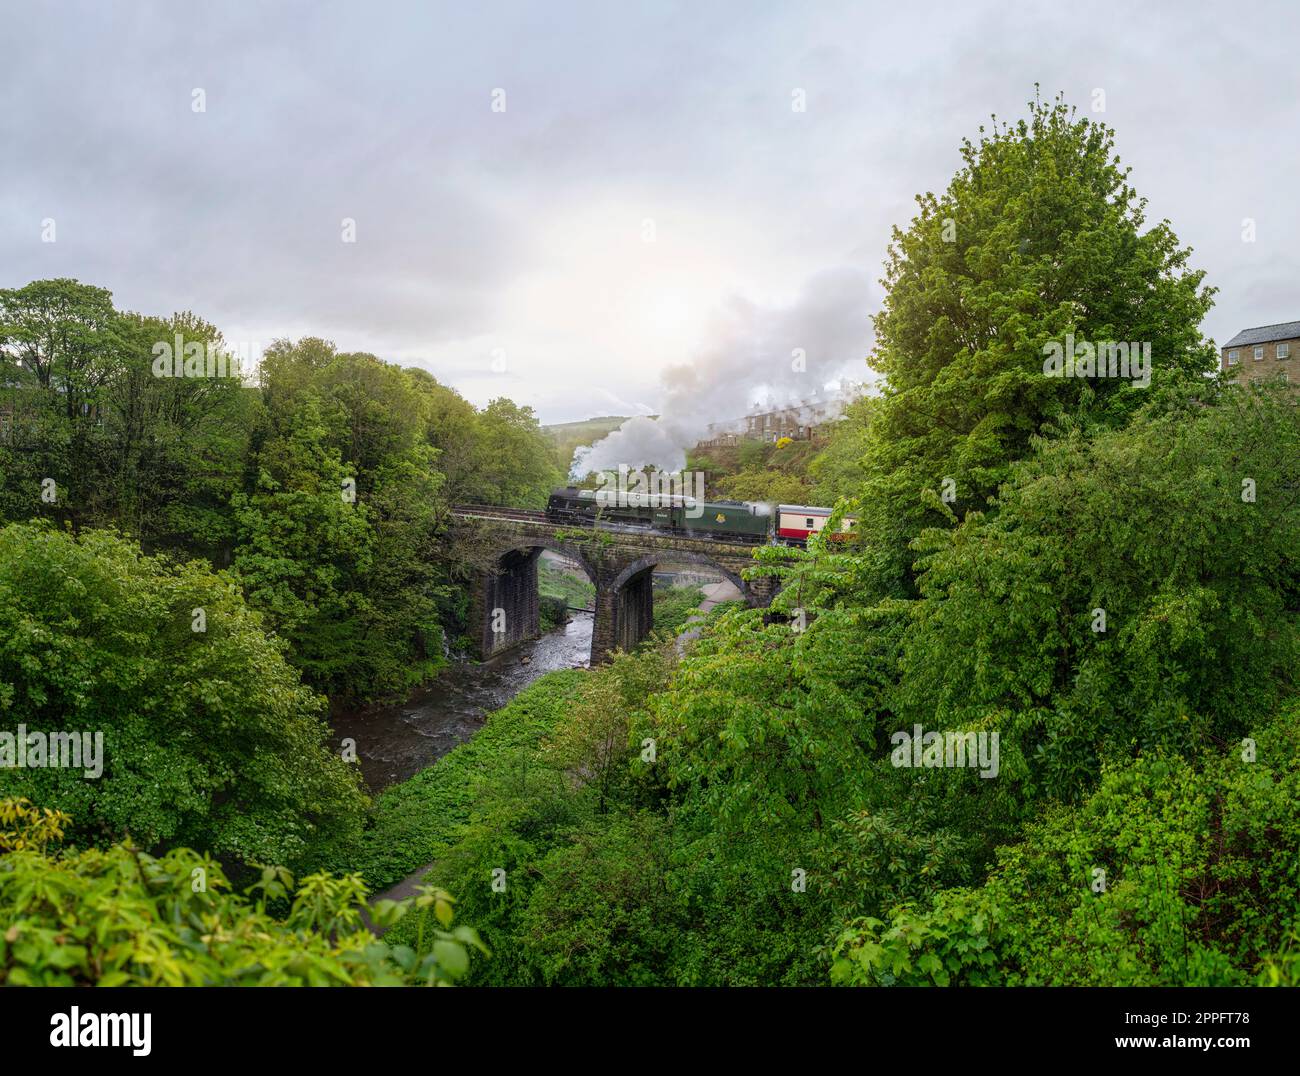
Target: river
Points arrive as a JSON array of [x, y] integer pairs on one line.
[[396, 742]]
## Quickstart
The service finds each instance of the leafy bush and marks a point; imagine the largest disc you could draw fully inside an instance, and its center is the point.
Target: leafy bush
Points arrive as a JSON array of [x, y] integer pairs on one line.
[[552, 612], [1168, 874], [412, 823], [674, 606], [1076, 615], [121, 917]]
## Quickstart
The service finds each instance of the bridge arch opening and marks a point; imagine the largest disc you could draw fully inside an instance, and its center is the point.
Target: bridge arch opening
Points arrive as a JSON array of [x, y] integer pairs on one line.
[[632, 596], [507, 600], [652, 561]]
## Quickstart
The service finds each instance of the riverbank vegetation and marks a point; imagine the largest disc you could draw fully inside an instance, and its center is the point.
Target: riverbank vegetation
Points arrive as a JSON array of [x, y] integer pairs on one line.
[[122, 917]]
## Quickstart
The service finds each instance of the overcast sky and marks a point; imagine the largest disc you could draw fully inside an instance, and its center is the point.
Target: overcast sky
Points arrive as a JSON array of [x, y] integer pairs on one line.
[[647, 186]]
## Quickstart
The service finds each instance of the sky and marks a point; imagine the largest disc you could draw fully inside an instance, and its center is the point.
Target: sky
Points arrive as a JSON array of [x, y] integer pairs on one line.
[[582, 205]]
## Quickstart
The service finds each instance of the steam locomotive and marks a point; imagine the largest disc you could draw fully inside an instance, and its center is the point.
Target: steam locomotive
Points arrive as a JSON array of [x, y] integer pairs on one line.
[[742, 521]]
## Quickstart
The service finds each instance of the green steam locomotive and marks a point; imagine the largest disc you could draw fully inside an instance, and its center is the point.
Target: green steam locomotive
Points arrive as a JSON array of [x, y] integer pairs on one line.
[[740, 521]]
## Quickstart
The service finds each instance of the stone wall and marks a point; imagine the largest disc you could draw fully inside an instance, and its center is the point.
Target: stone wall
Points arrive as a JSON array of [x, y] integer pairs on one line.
[[1247, 368]]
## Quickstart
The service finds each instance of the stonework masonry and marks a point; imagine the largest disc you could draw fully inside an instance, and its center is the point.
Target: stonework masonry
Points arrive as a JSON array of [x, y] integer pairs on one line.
[[620, 563]]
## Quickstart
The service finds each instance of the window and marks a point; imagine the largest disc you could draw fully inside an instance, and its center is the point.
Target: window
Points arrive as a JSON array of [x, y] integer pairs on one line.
[[808, 522], [1259, 353], [1283, 351], [1233, 356]]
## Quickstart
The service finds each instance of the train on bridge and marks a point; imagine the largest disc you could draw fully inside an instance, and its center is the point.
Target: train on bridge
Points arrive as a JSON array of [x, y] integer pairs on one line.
[[735, 521]]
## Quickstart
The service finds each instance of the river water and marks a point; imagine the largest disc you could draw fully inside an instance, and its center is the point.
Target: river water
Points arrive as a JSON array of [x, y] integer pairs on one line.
[[396, 742]]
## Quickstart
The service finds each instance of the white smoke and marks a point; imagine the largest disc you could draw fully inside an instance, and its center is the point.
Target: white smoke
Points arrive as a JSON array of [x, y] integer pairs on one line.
[[758, 356]]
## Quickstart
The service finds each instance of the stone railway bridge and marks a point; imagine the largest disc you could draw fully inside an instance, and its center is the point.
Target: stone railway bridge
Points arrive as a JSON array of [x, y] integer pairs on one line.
[[620, 562]]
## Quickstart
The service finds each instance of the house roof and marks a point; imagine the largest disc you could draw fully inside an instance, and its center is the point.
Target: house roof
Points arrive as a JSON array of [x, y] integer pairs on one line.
[[1266, 334]]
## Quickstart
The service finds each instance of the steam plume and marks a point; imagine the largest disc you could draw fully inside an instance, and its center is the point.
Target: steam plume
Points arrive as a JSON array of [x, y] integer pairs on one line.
[[750, 361]]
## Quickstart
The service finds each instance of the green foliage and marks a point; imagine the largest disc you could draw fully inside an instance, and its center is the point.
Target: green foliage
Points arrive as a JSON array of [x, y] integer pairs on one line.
[[551, 612], [339, 541], [1200, 635], [358, 577], [572, 586], [771, 486], [1038, 235], [839, 470], [601, 910], [1170, 873], [674, 606], [759, 471], [579, 862], [750, 454], [158, 456], [514, 466], [414, 821], [209, 738], [121, 917]]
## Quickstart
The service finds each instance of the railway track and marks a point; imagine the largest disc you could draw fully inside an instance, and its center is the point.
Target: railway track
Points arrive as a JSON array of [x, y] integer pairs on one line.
[[492, 511]]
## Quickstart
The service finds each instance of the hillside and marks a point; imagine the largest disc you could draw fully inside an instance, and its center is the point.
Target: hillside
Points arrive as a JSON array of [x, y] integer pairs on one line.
[[566, 436]]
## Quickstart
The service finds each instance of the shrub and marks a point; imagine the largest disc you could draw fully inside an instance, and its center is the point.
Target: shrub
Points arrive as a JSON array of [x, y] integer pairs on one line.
[[1168, 874], [121, 917]]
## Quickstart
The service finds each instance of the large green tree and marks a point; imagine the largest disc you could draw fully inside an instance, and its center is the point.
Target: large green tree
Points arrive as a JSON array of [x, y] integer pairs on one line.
[[341, 540], [93, 436], [209, 737], [1039, 235]]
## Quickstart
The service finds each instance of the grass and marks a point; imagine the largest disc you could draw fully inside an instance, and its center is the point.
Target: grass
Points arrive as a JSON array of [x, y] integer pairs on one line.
[[413, 822]]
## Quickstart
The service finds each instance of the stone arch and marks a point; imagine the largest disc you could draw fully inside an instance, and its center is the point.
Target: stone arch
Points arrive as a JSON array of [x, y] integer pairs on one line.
[[505, 604], [652, 560], [530, 542]]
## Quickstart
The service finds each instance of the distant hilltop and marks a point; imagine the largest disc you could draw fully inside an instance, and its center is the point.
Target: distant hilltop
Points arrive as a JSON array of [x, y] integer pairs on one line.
[[569, 435]]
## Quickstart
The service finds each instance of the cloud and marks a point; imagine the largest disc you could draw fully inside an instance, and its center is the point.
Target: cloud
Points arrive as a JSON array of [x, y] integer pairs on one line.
[[755, 355], [521, 230]]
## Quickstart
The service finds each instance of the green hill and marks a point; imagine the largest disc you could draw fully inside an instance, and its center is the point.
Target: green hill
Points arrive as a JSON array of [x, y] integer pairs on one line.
[[569, 435]]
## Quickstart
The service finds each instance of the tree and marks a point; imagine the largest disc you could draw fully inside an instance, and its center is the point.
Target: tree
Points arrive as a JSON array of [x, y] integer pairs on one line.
[[1134, 591], [340, 540], [59, 344], [592, 742], [207, 737], [1200, 860], [451, 428], [157, 455], [1038, 236], [515, 465], [839, 470], [770, 487]]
